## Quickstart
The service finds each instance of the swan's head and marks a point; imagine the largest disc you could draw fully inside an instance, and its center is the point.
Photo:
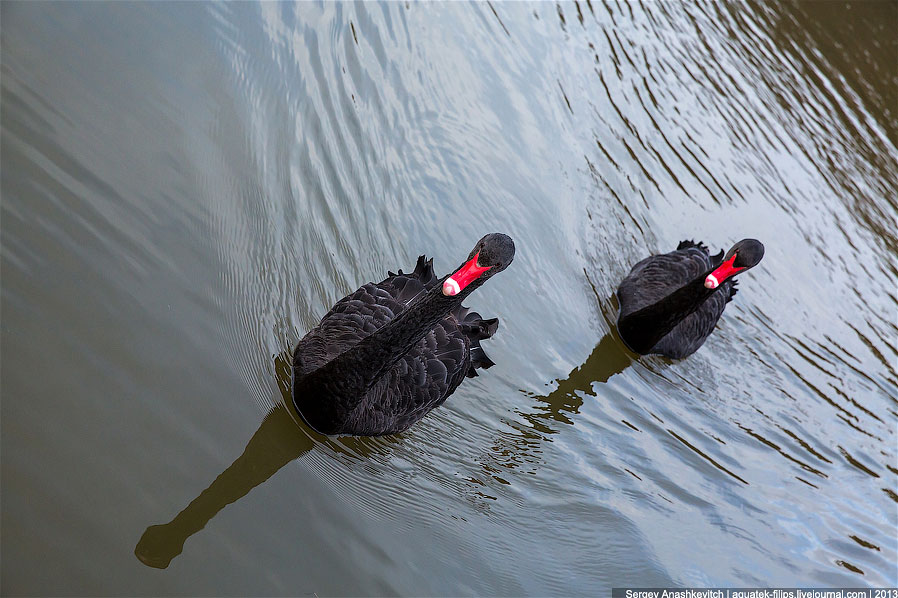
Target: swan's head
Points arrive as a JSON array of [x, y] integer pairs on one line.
[[491, 255], [744, 255]]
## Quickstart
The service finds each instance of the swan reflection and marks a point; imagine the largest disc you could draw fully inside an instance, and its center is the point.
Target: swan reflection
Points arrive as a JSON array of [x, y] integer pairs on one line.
[[279, 440], [523, 445], [282, 438]]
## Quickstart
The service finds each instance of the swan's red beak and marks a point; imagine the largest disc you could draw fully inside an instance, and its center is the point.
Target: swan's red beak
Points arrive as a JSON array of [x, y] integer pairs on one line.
[[724, 271], [467, 274]]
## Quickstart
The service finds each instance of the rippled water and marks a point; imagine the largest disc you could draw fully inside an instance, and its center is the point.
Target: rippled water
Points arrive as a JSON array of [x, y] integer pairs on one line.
[[187, 188]]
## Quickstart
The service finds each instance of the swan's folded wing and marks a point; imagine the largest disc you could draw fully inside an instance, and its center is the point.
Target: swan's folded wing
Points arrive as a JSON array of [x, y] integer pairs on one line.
[[694, 329], [425, 376], [657, 276], [368, 308], [407, 287]]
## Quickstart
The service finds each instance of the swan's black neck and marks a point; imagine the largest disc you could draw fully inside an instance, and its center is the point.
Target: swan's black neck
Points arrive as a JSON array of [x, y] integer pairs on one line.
[[338, 387], [642, 329]]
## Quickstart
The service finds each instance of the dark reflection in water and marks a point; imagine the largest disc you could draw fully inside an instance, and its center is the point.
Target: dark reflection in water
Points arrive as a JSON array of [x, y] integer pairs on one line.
[[855, 43], [526, 443], [278, 441], [608, 358], [281, 438]]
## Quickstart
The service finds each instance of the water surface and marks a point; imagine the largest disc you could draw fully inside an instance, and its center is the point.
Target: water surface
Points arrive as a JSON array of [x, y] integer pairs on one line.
[[187, 188]]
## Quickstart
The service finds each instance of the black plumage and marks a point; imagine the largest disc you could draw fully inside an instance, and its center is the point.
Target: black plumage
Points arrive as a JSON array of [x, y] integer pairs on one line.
[[665, 305], [388, 353]]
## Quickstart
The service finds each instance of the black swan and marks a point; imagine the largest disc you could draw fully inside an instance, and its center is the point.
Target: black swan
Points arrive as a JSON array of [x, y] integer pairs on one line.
[[387, 354], [670, 303]]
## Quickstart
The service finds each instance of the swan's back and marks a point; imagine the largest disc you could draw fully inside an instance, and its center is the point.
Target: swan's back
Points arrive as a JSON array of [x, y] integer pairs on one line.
[[658, 276], [424, 377], [352, 319]]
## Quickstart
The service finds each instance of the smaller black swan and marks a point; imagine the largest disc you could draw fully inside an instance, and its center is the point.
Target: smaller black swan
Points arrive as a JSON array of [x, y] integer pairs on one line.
[[387, 354], [670, 303]]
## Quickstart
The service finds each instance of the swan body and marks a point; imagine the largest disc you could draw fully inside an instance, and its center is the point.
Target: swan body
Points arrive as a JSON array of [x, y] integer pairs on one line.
[[670, 303], [388, 353]]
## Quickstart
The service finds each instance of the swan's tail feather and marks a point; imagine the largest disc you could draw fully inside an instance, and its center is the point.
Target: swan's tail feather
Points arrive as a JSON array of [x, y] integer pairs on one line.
[[479, 359], [461, 313], [424, 271], [691, 243], [408, 286], [476, 329], [733, 291], [473, 324]]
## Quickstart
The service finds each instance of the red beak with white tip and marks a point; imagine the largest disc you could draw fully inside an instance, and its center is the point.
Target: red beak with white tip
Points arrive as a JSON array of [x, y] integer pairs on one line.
[[724, 271], [467, 274]]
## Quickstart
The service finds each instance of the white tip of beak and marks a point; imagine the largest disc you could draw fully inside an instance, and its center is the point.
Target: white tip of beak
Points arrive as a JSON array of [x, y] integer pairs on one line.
[[450, 287], [711, 282]]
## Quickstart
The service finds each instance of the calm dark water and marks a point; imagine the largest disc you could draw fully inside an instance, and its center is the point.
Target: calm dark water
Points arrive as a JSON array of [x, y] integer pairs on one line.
[[187, 188]]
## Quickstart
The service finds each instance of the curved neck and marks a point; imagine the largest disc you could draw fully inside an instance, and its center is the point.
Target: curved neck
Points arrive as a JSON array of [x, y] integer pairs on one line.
[[336, 388], [642, 329]]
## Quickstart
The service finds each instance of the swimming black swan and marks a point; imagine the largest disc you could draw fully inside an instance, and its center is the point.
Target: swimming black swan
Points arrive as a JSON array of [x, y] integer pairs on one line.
[[670, 303], [390, 352]]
